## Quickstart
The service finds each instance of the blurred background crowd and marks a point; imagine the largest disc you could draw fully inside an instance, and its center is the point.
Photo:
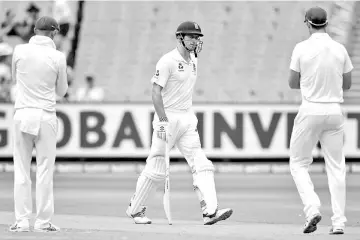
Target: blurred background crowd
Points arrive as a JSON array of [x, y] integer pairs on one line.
[[17, 27], [112, 46]]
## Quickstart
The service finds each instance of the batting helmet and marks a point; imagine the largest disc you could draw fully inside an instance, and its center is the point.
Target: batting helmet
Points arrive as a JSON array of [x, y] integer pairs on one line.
[[189, 28]]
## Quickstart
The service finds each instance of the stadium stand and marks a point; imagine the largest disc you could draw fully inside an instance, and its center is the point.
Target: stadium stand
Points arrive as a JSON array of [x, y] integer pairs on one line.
[[247, 47], [18, 8], [246, 53], [353, 45]]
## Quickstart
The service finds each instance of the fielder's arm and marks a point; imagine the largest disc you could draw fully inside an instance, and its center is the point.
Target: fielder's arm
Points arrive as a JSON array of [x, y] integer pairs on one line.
[[61, 81], [294, 79], [346, 81], [158, 100], [348, 67]]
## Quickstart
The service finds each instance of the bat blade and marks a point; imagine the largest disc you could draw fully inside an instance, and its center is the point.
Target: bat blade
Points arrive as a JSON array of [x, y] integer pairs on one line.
[[166, 198]]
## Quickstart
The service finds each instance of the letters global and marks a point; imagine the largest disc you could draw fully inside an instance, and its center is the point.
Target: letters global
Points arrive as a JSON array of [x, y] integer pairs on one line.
[[226, 131]]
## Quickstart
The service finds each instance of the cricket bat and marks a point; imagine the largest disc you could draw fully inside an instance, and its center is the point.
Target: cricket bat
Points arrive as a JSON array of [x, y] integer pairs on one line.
[[166, 198]]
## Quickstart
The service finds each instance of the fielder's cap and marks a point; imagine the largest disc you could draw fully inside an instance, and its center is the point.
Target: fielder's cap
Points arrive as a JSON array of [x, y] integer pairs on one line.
[[316, 16], [47, 24]]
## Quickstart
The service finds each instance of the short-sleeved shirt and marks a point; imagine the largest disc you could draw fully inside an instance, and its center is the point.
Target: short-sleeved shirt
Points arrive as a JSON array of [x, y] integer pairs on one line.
[[178, 78], [39, 70], [321, 63]]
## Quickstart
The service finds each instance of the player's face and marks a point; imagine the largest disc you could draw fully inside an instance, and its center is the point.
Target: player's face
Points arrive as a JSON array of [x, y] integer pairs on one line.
[[191, 41]]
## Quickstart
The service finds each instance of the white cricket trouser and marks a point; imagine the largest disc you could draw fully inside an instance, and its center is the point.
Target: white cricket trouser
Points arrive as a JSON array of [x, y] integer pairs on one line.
[[307, 131], [34, 128], [184, 135]]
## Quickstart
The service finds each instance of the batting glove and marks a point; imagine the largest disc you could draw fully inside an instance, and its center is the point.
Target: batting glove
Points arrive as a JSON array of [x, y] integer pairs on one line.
[[162, 128]]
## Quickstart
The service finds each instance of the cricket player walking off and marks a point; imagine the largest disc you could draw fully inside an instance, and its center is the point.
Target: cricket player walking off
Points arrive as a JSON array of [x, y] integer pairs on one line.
[[176, 123], [40, 73], [321, 68]]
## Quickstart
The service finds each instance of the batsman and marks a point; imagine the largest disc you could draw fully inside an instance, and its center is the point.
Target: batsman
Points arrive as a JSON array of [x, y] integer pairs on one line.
[[175, 124]]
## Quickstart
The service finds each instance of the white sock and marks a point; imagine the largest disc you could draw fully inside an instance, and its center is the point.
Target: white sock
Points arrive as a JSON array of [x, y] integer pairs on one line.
[[205, 189], [143, 188]]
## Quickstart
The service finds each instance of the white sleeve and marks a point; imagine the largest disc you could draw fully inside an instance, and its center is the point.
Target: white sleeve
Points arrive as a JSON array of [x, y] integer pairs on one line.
[[295, 59], [162, 72], [61, 81], [13, 64], [347, 63]]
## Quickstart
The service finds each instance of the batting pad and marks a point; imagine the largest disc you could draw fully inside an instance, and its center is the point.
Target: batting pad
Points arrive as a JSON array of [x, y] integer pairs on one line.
[[204, 186], [144, 187], [151, 176], [155, 169], [199, 162]]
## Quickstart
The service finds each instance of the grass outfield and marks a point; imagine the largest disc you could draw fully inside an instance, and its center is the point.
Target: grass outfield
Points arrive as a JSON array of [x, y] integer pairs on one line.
[[92, 206]]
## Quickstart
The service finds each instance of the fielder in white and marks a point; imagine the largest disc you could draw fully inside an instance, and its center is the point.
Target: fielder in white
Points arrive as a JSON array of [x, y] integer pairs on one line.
[[321, 68], [40, 73], [175, 122]]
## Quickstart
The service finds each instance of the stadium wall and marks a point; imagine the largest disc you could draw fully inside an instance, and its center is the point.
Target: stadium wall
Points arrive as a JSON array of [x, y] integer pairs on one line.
[[228, 132]]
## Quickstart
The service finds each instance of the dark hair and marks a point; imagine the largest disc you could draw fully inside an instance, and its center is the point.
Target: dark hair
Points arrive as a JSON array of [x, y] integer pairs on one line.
[[318, 27]]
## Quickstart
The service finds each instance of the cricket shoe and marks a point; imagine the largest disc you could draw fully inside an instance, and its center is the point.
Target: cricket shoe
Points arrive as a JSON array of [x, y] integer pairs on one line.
[[336, 230], [311, 222], [20, 227], [47, 228], [219, 215], [139, 218]]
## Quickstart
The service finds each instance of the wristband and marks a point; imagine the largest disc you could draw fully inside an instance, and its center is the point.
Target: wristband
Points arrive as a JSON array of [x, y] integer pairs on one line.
[[163, 119]]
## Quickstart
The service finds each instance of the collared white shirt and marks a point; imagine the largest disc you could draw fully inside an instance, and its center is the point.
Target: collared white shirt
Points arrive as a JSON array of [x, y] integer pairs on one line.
[[178, 78], [40, 73], [321, 63]]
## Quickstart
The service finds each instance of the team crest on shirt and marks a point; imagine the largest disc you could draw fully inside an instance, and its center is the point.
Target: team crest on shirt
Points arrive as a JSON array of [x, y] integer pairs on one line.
[[157, 73], [180, 67]]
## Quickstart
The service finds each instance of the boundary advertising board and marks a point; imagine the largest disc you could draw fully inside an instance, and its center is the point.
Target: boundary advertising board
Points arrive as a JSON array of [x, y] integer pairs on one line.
[[226, 131]]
